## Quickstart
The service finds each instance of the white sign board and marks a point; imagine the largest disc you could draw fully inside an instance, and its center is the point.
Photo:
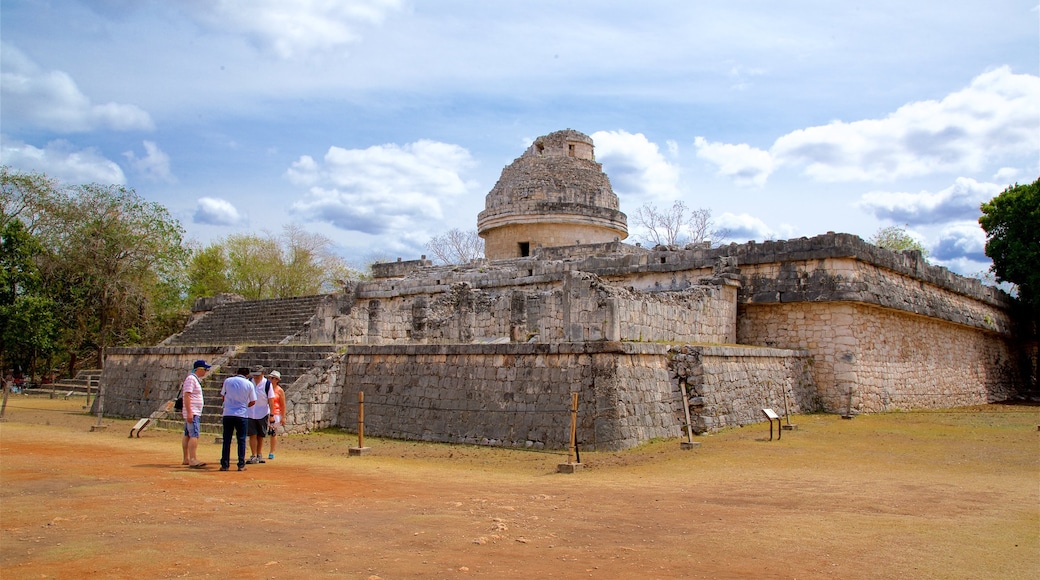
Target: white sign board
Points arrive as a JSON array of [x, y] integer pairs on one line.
[[770, 414]]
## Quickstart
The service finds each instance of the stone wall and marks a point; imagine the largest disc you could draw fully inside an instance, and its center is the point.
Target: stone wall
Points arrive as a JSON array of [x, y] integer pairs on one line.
[[313, 400], [729, 386], [512, 394], [137, 381], [567, 306], [869, 359]]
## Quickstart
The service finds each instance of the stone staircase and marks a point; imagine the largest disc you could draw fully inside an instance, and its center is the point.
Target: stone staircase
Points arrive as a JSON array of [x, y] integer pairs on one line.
[[84, 379], [250, 322], [292, 361]]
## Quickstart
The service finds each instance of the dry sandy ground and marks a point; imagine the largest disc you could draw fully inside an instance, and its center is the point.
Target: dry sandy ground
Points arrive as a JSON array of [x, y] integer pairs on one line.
[[903, 495]]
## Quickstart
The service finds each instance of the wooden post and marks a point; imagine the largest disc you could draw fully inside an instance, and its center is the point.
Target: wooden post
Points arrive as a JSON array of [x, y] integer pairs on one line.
[[360, 449], [574, 429], [572, 464], [100, 400], [361, 419], [7, 388], [688, 444]]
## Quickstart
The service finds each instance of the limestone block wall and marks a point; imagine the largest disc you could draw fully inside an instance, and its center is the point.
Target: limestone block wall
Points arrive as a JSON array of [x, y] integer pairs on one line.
[[137, 381], [559, 307], [512, 394], [312, 401], [729, 386], [869, 359]]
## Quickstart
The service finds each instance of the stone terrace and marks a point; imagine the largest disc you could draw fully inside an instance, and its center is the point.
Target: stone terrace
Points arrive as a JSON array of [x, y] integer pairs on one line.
[[271, 321]]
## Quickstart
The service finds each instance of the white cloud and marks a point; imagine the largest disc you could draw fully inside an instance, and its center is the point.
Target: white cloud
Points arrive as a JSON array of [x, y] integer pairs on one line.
[[294, 28], [743, 227], [217, 212], [382, 188], [961, 240], [960, 201], [636, 167], [1007, 175], [155, 165], [51, 100], [994, 118], [60, 160], [744, 164]]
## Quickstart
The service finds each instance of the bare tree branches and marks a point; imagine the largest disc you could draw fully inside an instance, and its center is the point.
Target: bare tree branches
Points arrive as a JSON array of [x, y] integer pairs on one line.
[[456, 246], [677, 225]]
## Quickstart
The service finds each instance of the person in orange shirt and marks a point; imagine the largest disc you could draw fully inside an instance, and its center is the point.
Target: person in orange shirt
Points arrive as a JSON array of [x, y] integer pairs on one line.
[[277, 410]]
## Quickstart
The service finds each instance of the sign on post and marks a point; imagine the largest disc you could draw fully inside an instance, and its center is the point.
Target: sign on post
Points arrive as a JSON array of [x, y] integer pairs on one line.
[[771, 416]]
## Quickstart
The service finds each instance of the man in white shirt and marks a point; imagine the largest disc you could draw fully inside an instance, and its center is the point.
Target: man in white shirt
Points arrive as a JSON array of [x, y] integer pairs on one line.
[[238, 395], [191, 392], [259, 414]]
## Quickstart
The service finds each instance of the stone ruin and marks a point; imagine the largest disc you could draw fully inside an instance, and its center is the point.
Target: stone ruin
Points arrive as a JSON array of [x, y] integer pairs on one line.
[[490, 352]]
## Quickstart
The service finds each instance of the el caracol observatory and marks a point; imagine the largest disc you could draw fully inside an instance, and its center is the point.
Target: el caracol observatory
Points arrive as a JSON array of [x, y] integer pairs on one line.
[[555, 194]]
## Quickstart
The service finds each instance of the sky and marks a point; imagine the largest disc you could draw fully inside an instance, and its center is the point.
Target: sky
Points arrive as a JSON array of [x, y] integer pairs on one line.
[[383, 123]]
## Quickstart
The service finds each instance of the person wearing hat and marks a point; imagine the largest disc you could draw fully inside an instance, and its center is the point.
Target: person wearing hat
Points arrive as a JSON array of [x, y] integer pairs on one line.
[[191, 391], [259, 414], [277, 410]]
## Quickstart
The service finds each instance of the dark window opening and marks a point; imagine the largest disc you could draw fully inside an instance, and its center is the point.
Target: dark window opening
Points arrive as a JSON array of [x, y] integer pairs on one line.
[[570, 150], [530, 272], [525, 249], [662, 260]]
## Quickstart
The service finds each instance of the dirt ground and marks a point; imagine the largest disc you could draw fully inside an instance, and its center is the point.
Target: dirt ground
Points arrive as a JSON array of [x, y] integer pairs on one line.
[[951, 494]]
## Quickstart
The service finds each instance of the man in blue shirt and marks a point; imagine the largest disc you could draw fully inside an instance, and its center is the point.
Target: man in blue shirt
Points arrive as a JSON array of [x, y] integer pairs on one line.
[[238, 395]]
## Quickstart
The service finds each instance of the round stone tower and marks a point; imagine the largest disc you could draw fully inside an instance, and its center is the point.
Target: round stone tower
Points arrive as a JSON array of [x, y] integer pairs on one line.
[[555, 194]]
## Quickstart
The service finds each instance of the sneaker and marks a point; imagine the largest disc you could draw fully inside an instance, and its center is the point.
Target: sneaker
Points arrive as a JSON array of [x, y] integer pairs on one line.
[[270, 455], [222, 468], [260, 459], [241, 467], [253, 460]]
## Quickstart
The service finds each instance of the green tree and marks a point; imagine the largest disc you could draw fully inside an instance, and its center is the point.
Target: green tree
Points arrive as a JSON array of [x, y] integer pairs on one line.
[[208, 272], [114, 264], [25, 197], [252, 262], [296, 263], [1012, 224], [28, 328], [896, 238]]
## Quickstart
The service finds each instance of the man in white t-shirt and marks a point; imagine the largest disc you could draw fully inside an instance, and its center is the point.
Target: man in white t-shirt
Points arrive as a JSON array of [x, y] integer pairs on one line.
[[191, 392], [259, 414]]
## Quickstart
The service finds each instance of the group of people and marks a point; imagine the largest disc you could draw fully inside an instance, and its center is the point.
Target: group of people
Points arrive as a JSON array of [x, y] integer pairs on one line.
[[253, 410]]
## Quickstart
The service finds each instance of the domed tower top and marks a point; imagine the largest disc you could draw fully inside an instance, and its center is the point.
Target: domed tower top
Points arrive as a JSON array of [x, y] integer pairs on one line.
[[555, 194]]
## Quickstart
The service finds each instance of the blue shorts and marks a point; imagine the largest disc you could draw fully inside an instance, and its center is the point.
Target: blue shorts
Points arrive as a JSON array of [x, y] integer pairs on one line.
[[192, 429]]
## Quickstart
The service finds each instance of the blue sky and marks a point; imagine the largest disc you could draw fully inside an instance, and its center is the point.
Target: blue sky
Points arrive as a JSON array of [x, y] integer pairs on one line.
[[381, 123]]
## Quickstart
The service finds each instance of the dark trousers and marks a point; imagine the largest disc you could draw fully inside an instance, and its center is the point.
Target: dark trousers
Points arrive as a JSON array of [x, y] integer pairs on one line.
[[236, 425]]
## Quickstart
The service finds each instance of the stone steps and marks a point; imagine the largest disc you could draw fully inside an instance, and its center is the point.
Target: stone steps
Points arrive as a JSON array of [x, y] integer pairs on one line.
[[292, 361], [251, 322], [84, 379]]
